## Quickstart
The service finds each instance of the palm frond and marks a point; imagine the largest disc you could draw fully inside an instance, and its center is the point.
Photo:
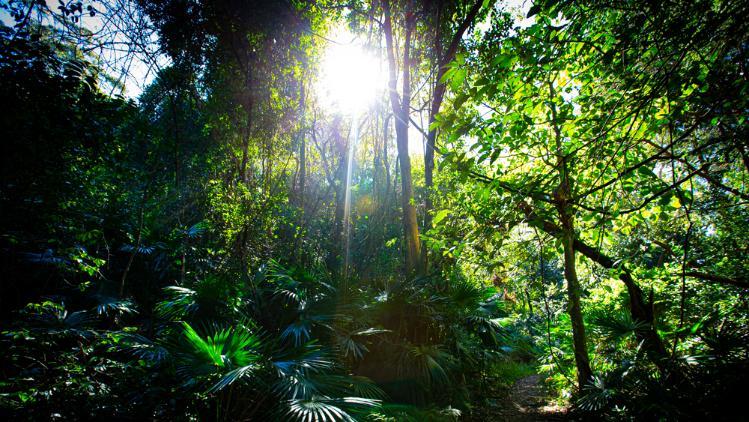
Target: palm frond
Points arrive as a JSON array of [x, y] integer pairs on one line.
[[299, 330], [297, 372], [428, 363], [218, 351], [451, 413], [53, 318], [486, 327], [232, 376], [142, 249], [325, 409], [465, 295], [616, 326], [77, 319], [143, 348], [316, 409], [196, 230], [114, 306], [342, 385], [297, 386], [306, 358], [181, 302], [350, 346], [595, 395]]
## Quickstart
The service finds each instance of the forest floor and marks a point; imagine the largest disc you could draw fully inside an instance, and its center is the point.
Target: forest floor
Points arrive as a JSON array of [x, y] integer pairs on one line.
[[526, 401]]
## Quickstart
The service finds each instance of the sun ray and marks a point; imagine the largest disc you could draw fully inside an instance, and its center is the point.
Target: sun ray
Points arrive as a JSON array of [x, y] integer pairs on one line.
[[351, 75]]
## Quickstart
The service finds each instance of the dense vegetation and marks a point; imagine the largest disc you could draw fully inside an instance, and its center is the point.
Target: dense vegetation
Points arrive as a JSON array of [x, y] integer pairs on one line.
[[230, 244]]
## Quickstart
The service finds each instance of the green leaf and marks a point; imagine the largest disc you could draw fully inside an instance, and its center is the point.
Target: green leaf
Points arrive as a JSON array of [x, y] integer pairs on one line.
[[503, 61], [439, 216], [458, 77], [459, 100]]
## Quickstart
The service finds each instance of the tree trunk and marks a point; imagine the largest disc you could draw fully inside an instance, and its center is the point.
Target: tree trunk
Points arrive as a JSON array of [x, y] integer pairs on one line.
[[333, 260], [401, 110], [562, 196], [640, 309], [138, 238], [437, 96], [579, 341], [302, 173], [302, 150]]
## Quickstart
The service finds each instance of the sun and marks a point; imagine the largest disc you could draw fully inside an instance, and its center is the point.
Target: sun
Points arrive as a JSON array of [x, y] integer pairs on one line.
[[351, 76]]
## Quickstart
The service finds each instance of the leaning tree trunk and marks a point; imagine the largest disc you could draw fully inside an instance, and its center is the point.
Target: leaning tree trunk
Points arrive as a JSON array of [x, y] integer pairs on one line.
[[437, 97]]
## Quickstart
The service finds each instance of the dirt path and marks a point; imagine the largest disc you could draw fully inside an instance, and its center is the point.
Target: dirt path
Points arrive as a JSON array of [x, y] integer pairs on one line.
[[530, 400], [527, 401]]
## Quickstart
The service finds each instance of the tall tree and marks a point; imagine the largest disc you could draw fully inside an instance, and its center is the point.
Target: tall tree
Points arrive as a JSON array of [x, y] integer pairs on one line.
[[401, 105], [578, 130], [442, 59]]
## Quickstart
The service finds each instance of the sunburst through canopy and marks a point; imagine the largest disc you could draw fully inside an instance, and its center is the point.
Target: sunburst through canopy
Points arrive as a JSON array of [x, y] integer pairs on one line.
[[351, 75]]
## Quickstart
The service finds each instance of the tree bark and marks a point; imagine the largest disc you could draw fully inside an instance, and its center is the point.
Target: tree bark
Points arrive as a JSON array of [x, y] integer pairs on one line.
[[737, 282], [302, 172], [437, 98], [562, 195], [302, 149], [640, 309], [334, 254], [401, 110], [574, 291]]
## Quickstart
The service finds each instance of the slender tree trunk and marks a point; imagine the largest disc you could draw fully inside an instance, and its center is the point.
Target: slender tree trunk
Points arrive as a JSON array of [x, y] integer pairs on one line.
[[177, 154], [302, 149], [401, 111], [177, 179], [530, 304], [579, 341], [386, 160], [138, 238], [246, 146], [744, 155], [640, 309], [437, 97], [574, 292], [334, 253], [302, 172]]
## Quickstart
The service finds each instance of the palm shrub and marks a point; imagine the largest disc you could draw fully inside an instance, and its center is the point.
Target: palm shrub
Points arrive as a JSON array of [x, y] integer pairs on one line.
[[284, 344], [229, 353], [268, 352], [630, 386], [436, 339], [60, 364]]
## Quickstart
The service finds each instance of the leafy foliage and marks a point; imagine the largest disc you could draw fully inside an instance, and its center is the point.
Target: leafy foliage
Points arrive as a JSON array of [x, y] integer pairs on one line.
[[225, 247]]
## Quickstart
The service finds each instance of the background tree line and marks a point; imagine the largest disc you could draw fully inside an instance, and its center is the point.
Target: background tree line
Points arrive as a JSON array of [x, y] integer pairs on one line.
[[579, 210]]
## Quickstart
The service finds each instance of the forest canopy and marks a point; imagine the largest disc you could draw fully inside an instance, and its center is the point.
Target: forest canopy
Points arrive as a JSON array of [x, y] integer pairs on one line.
[[375, 210]]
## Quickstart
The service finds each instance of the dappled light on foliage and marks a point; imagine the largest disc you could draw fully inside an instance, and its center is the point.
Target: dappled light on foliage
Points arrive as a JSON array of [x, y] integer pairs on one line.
[[385, 210]]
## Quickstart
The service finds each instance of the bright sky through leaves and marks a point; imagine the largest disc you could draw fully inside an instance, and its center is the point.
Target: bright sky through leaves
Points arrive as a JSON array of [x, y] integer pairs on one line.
[[351, 77]]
